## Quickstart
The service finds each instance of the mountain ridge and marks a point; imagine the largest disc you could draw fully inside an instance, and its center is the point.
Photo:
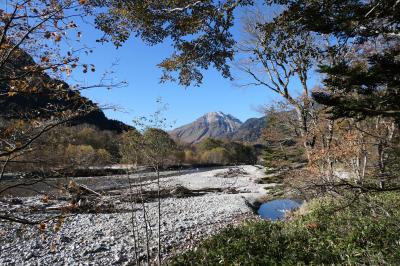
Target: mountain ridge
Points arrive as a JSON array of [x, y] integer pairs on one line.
[[210, 125], [51, 94], [219, 125]]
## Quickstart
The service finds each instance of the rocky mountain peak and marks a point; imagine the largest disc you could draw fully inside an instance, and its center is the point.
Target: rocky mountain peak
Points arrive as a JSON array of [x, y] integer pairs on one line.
[[219, 125], [229, 122], [210, 125]]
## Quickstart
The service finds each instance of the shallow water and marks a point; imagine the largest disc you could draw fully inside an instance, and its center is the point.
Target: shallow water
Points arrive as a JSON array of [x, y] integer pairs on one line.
[[275, 209]]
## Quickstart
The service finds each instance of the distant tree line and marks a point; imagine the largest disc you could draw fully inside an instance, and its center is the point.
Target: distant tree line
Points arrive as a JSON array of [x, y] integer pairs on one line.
[[84, 146]]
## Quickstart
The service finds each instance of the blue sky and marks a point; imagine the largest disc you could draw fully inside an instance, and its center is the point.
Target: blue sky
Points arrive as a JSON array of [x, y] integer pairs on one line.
[[137, 64]]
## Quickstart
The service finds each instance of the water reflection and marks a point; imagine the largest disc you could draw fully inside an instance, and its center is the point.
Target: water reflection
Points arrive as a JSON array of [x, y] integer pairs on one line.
[[275, 209]]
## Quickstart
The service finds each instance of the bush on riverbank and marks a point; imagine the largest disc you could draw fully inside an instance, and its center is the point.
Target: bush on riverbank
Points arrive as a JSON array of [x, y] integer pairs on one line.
[[324, 231]]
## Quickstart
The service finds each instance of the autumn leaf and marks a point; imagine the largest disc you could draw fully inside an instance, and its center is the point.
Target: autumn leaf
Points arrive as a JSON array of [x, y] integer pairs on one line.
[[45, 199], [53, 247], [56, 227], [42, 226], [45, 59], [312, 225], [11, 93], [58, 224], [57, 37], [72, 184]]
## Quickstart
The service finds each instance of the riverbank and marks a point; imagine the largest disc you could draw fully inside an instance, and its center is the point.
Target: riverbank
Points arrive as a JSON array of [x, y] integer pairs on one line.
[[107, 238], [325, 231]]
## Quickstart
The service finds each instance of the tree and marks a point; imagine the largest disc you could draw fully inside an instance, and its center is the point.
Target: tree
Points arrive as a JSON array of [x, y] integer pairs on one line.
[[362, 78], [151, 146], [39, 47], [363, 88], [239, 153], [209, 144], [217, 155], [31, 33], [129, 148], [158, 148], [282, 136], [276, 53], [199, 31], [360, 73]]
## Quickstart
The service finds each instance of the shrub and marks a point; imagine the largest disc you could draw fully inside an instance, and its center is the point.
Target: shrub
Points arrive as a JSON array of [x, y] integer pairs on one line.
[[102, 157], [190, 157], [219, 152], [324, 231], [209, 144], [80, 155], [215, 156]]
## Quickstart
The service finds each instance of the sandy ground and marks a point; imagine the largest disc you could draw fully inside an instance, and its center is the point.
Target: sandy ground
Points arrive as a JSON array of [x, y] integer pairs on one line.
[[107, 238]]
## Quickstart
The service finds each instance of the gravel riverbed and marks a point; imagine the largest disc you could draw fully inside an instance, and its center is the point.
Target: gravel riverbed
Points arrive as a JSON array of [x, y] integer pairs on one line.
[[107, 238]]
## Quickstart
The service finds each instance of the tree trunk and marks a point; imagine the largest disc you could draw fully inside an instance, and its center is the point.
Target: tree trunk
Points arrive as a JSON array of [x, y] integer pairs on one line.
[[159, 215], [133, 221], [145, 224], [303, 130]]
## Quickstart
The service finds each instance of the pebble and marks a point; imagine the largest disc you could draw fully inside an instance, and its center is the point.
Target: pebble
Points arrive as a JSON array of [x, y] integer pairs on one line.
[[106, 239]]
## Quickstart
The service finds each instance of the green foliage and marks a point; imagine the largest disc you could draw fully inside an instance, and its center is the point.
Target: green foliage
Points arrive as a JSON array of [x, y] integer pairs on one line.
[[199, 31], [85, 155], [358, 88], [282, 157], [154, 147], [219, 152], [217, 155], [239, 153], [271, 158], [129, 150], [324, 231], [282, 135], [361, 61], [157, 147], [68, 147], [209, 144]]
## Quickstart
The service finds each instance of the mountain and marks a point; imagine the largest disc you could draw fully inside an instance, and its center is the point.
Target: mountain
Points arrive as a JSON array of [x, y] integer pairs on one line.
[[211, 125], [46, 97], [34, 106], [250, 130]]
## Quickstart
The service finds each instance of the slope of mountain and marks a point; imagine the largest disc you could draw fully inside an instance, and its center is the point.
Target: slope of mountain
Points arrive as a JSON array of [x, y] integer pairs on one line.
[[211, 125], [50, 96], [250, 130]]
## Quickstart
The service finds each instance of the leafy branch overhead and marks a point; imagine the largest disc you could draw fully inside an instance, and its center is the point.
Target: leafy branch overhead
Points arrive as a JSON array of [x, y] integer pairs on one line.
[[199, 31]]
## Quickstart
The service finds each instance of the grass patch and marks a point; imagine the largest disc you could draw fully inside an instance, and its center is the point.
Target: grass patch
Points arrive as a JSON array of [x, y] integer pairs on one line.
[[277, 191], [321, 232], [274, 177]]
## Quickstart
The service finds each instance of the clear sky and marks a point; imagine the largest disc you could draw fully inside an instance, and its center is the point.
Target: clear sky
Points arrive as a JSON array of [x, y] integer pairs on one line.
[[137, 64]]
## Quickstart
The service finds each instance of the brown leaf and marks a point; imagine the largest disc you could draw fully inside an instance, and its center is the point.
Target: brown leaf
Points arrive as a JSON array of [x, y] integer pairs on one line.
[[57, 38], [42, 226], [312, 225], [45, 199], [44, 59]]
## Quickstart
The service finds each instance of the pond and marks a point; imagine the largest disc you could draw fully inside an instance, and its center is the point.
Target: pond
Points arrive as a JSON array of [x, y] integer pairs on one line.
[[275, 209]]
